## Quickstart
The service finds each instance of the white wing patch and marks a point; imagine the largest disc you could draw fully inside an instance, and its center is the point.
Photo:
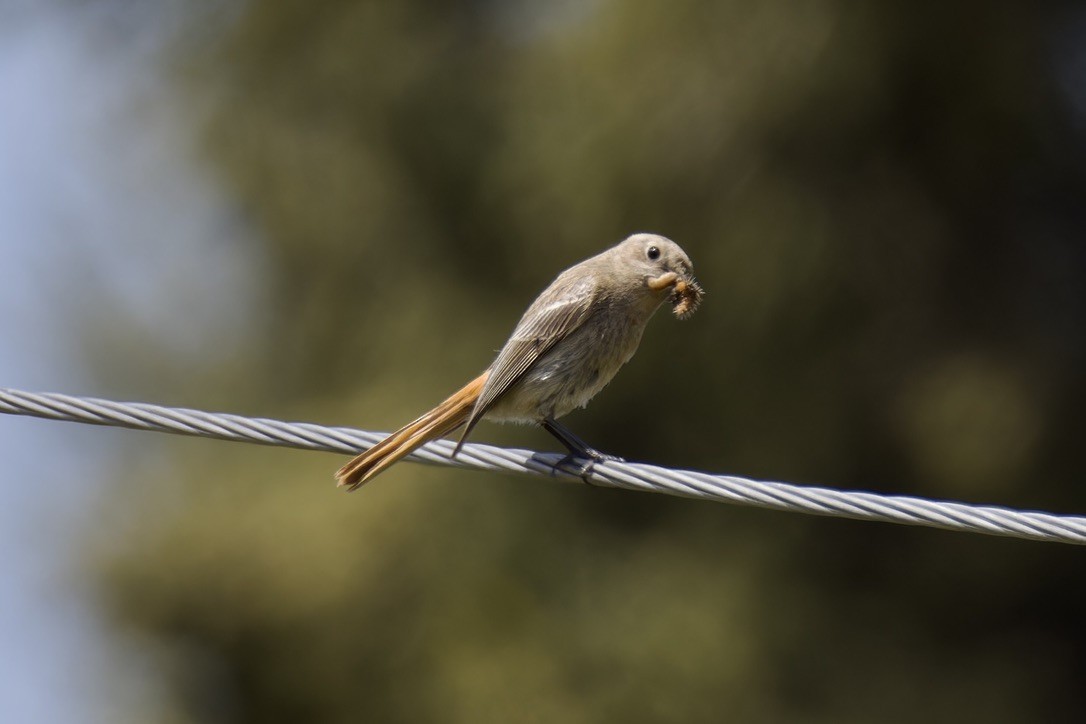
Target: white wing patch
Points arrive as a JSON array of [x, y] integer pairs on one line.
[[539, 318]]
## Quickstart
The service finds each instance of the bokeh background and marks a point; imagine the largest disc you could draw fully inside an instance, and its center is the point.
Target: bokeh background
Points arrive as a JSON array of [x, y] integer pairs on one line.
[[336, 211]]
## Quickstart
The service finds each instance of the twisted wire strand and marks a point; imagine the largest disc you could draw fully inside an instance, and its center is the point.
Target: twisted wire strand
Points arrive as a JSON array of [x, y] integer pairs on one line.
[[990, 520]]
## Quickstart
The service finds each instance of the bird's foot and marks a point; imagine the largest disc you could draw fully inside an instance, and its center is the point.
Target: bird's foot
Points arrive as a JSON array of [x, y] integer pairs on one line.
[[585, 461]]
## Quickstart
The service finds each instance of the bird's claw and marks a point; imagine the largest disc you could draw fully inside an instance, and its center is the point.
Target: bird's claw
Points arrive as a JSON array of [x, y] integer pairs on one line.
[[586, 460]]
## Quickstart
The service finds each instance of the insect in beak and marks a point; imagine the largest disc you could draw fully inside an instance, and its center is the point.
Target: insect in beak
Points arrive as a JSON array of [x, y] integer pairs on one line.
[[663, 281], [685, 298]]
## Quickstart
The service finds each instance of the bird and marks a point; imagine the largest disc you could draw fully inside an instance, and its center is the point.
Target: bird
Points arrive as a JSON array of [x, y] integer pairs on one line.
[[568, 345]]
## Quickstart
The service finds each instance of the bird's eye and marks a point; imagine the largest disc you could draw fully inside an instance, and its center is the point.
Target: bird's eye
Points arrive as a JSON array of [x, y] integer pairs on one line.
[[653, 253]]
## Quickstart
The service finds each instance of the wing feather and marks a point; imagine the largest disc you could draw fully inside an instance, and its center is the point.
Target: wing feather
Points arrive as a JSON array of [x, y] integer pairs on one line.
[[559, 310]]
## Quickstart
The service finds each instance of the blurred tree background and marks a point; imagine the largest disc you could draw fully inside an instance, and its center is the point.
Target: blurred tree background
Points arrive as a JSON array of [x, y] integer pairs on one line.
[[885, 205]]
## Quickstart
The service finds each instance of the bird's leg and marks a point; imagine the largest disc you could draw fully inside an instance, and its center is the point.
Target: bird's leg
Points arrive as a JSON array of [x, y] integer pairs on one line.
[[576, 446]]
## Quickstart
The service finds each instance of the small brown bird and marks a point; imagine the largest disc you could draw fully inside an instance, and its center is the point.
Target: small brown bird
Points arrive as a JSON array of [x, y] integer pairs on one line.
[[566, 348]]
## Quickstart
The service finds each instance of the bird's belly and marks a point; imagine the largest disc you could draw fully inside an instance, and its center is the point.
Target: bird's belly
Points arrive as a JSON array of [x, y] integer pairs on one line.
[[570, 374]]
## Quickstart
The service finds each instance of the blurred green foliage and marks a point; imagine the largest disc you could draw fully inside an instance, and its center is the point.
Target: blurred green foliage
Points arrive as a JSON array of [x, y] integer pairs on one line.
[[884, 203]]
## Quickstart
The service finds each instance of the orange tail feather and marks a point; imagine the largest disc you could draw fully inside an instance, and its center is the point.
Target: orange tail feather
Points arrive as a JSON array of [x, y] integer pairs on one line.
[[437, 423]]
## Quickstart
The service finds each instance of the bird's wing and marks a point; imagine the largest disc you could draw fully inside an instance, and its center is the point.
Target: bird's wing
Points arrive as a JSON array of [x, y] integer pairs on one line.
[[558, 311]]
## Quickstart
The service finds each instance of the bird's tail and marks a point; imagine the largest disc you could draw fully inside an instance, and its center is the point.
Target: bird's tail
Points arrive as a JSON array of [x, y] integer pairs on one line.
[[438, 422]]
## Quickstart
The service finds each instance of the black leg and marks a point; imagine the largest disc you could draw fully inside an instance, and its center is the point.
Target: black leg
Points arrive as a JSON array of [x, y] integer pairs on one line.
[[576, 446]]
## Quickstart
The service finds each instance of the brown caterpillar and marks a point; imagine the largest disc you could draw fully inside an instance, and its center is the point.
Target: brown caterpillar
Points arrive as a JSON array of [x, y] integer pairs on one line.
[[685, 298]]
